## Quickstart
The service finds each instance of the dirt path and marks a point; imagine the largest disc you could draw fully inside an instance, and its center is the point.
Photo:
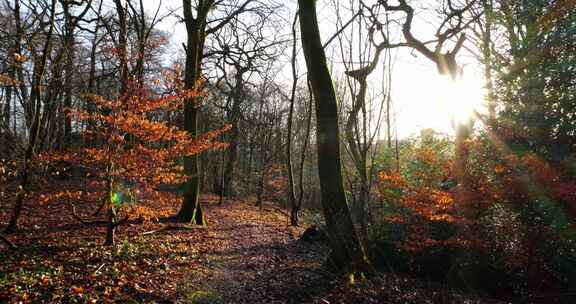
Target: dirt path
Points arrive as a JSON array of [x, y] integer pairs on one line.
[[256, 259]]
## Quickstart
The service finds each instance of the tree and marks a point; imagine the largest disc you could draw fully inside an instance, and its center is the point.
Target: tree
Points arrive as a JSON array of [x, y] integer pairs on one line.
[[454, 23], [134, 148], [197, 30], [536, 74], [347, 254], [40, 60], [363, 122], [295, 206], [15, 75], [243, 48], [70, 24]]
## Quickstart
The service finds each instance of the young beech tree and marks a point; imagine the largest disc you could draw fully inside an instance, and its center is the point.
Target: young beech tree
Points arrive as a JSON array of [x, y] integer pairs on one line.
[[347, 254], [134, 148]]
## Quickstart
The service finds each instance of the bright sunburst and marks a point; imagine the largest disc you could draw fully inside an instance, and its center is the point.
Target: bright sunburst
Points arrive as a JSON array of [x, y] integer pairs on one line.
[[461, 98], [428, 100]]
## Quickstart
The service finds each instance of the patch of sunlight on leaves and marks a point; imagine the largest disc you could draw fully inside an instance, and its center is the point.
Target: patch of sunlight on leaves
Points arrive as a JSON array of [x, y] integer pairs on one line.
[[22, 281], [126, 250], [354, 278], [204, 296], [351, 279]]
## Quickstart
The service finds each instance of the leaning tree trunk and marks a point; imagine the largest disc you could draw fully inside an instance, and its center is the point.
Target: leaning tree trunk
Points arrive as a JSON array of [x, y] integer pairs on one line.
[[347, 254]]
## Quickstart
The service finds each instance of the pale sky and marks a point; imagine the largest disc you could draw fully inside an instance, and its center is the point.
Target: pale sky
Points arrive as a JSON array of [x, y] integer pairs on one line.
[[418, 92]]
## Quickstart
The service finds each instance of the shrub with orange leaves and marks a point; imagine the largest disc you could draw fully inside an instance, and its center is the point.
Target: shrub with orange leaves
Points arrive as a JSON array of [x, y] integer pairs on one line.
[[418, 207], [132, 149], [416, 198], [542, 196], [514, 231]]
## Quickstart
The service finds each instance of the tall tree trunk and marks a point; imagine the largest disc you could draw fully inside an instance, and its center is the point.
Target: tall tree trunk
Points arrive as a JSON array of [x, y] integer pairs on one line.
[[23, 88], [305, 148], [363, 196], [294, 208], [69, 45], [191, 210], [228, 176], [250, 158], [234, 118], [487, 54], [91, 89], [5, 111], [220, 177], [92, 84], [122, 45], [124, 79], [347, 254], [388, 122], [265, 156], [35, 97]]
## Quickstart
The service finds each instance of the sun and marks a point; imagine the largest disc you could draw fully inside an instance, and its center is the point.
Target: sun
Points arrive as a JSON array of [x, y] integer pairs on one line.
[[426, 100], [461, 98]]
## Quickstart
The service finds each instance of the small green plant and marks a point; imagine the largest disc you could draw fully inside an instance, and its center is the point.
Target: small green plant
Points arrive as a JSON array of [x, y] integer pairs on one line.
[[126, 250]]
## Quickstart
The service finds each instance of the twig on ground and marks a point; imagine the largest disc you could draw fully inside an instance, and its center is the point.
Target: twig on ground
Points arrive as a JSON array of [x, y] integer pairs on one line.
[[98, 269], [8, 242], [83, 221]]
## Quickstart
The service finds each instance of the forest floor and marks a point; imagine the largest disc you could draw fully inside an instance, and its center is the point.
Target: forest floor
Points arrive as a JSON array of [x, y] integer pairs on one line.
[[244, 255]]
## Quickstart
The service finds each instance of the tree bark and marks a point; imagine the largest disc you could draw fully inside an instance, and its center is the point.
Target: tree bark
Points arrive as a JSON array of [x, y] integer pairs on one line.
[[191, 210], [347, 254]]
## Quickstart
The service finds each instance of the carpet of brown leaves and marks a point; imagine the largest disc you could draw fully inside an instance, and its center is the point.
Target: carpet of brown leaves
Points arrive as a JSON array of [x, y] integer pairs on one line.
[[244, 255]]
